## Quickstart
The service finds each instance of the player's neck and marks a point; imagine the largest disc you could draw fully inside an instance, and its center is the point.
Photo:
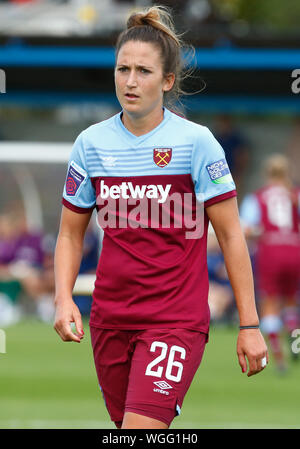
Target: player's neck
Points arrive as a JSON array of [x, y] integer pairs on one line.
[[280, 182], [144, 124]]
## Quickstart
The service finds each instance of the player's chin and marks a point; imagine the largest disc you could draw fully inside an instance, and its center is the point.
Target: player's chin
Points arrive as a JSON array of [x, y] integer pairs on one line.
[[134, 105], [131, 106], [133, 109]]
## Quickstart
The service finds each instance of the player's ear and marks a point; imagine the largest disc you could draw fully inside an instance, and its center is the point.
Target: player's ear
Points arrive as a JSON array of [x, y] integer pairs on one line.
[[168, 82]]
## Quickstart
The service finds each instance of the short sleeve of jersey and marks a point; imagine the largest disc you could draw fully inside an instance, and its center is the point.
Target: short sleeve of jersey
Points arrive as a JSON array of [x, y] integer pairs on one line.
[[210, 172], [79, 193]]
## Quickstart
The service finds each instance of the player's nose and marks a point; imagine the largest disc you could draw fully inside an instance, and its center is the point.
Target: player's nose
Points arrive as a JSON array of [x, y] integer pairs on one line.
[[132, 79]]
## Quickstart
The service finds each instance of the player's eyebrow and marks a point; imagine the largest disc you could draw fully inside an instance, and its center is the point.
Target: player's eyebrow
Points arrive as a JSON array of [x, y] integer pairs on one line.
[[144, 67], [139, 66]]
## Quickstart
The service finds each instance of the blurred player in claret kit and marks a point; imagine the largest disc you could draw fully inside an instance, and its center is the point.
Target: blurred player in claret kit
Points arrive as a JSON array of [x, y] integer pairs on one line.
[[271, 215], [149, 320]]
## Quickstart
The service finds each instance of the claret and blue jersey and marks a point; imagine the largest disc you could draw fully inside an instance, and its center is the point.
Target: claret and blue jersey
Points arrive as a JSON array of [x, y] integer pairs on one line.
[[148, 276]]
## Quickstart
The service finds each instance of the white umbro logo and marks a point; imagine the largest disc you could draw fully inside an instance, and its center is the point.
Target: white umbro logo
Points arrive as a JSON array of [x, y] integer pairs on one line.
[[109, 161], [163, 385]]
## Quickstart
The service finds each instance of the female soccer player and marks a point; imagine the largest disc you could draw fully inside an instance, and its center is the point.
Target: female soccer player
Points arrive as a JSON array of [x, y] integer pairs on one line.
[[143, 169], [271, 214]]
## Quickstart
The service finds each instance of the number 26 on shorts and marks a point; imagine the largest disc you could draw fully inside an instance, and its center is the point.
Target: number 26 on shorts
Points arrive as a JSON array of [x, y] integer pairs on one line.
[[158, 372]]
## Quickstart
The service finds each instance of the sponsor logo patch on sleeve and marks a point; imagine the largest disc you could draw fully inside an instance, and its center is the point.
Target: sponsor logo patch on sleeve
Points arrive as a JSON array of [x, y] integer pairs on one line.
[[75, 178], [219, 172]]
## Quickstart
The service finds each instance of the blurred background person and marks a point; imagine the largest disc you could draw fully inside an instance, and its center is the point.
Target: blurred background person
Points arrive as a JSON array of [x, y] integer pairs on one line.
[[10, 288], [220, 297], [293, 151], [271, 215], [89, 262], [236, 149], [25, 267]]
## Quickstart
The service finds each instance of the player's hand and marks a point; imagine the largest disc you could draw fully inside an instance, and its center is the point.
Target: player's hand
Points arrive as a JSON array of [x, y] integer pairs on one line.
[[66, 313], [251, 344]]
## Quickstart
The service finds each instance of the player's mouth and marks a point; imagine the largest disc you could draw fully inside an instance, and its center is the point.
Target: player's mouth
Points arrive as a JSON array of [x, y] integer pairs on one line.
[[131, 96]]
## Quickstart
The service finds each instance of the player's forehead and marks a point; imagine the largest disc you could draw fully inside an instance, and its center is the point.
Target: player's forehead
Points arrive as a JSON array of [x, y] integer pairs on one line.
[[139, 53]]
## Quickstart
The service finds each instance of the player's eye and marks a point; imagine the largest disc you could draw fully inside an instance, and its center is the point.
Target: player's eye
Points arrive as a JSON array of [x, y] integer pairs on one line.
[[144, 70], [122, 69]]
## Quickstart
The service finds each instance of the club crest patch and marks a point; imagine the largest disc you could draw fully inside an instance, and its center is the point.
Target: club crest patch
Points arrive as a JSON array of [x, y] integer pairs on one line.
[[74, 180], [219, 172], [162, 156]]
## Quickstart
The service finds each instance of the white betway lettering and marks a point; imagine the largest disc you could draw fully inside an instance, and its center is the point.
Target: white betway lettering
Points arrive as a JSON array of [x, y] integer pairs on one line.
[[126, 190]]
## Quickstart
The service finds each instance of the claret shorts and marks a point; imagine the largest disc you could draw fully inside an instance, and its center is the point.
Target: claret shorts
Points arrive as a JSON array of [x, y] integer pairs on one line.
[[278, 271], [147, 372]]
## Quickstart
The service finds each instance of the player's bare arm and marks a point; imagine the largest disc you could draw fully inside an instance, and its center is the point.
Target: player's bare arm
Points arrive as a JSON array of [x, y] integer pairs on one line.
[[68, 256], [225, 220]]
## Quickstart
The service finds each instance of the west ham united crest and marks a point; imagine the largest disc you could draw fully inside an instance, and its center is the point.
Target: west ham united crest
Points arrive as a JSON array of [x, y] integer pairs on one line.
[[162, 156]]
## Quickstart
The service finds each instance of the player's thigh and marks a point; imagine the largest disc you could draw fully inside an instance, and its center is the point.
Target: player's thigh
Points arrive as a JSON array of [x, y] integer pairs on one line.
[[112, 357], [137, 421], [269, 305], [162, 368], [290, 275]]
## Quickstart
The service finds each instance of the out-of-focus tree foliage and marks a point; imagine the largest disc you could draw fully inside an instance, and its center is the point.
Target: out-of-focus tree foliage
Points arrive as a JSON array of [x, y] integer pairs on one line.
[[280, 15]]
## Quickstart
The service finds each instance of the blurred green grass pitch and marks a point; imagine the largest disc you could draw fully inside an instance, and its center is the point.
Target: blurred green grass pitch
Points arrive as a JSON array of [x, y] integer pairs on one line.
[[46, 383]]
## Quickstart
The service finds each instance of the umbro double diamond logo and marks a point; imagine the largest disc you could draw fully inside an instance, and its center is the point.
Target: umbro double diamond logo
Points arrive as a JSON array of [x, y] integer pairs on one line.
[[162, 384], [162, 387]]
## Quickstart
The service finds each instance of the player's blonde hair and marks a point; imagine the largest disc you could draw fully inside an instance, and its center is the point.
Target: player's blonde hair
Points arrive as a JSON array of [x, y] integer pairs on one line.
[[277, 167], [155, 25]]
